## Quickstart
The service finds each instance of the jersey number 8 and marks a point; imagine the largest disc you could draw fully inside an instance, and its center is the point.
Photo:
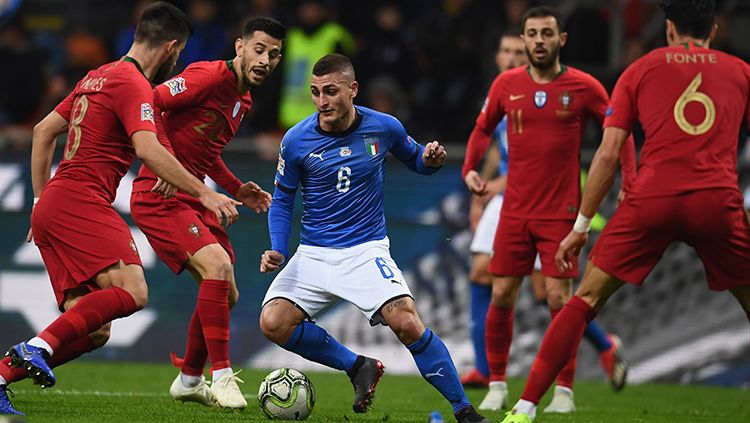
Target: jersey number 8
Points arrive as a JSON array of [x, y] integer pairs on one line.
[[79, 111]]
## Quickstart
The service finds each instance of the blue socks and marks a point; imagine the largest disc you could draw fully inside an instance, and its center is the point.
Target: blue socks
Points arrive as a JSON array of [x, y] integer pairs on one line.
[[436, 366], [480, 296], [316, 344], [598, 338]]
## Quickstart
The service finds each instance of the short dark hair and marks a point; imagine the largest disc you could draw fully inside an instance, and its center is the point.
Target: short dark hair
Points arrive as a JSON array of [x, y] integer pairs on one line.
[[513, 31], [162, 22], [543, 12], [265, 24], [691, 17], [331, 63]]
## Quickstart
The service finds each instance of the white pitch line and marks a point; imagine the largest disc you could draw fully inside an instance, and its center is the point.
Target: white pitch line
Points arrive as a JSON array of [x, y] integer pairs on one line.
[[75, 392]]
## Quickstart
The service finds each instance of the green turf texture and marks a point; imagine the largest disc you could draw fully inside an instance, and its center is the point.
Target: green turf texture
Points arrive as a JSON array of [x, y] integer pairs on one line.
[[129, 392]]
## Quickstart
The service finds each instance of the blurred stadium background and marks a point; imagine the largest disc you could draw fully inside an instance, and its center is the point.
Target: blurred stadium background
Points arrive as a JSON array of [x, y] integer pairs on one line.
[[429, 63]]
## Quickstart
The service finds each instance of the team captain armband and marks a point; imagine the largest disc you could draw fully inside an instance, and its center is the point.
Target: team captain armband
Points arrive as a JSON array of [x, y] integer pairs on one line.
[[582, 225]]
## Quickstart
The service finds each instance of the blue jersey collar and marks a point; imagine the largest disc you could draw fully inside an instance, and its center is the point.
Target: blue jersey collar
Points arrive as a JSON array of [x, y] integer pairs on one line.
[[352, 128]]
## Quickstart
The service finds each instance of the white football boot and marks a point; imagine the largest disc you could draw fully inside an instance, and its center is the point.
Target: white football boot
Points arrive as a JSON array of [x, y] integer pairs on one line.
[[198, 393], [496, 398], [562, 401], [227, 393]]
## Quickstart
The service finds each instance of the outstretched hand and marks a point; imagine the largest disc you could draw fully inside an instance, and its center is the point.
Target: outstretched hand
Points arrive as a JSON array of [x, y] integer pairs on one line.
[[570, 248], [253, 197], [270, 261], [434, 154], [224, 207]]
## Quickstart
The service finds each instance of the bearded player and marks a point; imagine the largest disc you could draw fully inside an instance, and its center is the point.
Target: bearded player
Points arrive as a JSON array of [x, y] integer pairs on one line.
[[547, 105], [202, 110]]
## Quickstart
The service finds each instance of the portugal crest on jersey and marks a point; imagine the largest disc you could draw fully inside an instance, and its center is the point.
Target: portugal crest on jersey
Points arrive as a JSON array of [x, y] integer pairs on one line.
[[540, 99], [371, 145], [565, 100]]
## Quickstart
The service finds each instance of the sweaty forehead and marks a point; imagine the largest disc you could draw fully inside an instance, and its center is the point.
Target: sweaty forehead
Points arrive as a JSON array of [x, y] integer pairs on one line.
[[260, 37], [335, 79]]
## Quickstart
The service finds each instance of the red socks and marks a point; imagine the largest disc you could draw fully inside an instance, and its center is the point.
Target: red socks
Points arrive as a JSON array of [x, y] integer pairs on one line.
[[62, 355], [559, 344], [89, 314], [568, 373], [213, 309], [498, 337], [195, 352]]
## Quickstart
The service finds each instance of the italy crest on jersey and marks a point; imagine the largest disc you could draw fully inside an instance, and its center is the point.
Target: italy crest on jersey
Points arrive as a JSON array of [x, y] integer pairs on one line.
[[371, 145], [540, 99]]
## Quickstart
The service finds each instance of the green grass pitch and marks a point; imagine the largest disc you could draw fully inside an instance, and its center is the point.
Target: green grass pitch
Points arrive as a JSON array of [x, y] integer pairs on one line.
[[129, 392]]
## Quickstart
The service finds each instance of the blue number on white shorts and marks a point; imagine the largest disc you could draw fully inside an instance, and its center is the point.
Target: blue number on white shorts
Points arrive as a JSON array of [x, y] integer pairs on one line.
[[384, 269]]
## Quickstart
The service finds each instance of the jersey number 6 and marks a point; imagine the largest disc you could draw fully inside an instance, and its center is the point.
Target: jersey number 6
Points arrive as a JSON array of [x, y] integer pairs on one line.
[[343, 183], [691, 93]]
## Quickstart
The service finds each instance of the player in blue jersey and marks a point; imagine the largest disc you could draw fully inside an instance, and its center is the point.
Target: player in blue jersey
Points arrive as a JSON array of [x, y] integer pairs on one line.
[[336, 158]]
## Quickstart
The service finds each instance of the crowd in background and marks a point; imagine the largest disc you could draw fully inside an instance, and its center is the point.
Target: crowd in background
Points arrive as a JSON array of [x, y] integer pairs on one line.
[[428, 62]]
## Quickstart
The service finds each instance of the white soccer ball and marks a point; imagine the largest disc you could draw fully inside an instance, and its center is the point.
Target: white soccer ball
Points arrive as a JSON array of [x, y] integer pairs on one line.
[[286, 394]]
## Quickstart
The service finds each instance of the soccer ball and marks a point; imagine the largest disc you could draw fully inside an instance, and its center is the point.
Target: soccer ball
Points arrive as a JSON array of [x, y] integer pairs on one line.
[[286, 394]]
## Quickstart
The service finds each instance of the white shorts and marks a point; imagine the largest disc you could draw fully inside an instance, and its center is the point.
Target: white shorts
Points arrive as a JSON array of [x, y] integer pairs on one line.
[[317, 277], [484, 236]]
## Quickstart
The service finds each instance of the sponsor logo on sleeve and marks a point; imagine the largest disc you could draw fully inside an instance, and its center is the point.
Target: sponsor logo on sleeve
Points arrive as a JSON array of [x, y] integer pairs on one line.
[[147, 112], [236, 109], [281, 165], [176, 85], [609, 111]]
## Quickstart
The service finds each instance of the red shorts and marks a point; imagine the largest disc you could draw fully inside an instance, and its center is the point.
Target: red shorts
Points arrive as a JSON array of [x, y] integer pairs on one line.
[[711, 221], [517, 242], [177, 227], [79, 235]]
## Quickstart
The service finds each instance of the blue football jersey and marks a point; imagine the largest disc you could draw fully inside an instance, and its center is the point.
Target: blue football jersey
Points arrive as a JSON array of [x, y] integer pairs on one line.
[[501, 134], [341, 176]]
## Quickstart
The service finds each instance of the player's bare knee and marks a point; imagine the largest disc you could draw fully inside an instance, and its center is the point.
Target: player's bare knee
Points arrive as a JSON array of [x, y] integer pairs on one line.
[[479, 275], [503, 296], [556, 300], [100, 336], [278, 319], [140, 295]]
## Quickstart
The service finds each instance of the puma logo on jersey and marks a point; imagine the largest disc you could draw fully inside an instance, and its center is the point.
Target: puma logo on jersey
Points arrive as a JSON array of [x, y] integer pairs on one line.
[[319, 155], [514, 97], [437, 373]]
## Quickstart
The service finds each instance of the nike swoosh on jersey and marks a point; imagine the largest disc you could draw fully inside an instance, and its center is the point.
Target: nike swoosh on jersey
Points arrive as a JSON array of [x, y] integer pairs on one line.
[[517, 97]]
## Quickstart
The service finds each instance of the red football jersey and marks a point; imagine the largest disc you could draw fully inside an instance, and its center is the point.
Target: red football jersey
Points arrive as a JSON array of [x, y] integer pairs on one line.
[[545, 129], [201, 111], [691, 102], [106, 107]]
